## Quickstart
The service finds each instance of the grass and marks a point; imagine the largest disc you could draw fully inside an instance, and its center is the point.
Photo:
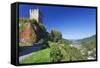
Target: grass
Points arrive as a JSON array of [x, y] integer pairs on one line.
[[38, 57], [66, 53]]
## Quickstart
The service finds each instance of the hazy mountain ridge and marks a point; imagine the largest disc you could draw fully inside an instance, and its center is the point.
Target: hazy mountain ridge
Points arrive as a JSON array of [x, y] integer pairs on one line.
[[87, 39]]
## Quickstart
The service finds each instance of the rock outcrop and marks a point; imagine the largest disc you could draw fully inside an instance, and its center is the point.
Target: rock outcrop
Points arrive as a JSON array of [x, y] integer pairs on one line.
[[30, 32]]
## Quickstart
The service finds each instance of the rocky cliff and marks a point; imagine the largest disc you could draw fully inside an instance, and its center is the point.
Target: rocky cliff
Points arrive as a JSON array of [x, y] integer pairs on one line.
[[30, 32]]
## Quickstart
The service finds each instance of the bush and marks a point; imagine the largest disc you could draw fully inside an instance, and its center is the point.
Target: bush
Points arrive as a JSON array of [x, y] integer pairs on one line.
[[71, 53], [44, 43], [55, 53]]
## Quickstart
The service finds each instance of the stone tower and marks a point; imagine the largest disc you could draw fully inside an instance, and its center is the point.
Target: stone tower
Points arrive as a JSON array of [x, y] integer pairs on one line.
[[35, 14]]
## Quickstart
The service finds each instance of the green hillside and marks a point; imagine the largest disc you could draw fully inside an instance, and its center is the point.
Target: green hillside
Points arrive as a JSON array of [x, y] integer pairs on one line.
[[89, 46]]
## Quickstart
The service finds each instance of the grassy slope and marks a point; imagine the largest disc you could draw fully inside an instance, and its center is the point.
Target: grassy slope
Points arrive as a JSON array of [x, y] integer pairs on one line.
[[38, 57]]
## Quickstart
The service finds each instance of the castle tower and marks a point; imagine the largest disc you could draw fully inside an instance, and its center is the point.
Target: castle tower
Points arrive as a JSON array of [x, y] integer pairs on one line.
[[35, 14]]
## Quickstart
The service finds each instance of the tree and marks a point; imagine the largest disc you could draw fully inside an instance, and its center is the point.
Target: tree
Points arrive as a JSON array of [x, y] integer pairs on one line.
[[55, 54], [55, 35]]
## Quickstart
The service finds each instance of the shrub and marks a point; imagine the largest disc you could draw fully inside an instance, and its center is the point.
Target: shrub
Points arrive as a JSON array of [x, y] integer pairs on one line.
[[55, 53]]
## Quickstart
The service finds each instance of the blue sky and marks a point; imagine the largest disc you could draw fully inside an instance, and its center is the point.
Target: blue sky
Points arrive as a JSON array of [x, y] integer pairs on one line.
[[72, 22]]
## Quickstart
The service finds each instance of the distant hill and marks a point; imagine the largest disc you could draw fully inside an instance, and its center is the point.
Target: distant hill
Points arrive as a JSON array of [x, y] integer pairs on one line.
[[93, 37], [89, 46]]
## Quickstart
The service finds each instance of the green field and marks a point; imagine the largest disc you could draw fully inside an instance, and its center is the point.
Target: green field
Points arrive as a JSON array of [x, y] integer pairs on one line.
[[38, 57]]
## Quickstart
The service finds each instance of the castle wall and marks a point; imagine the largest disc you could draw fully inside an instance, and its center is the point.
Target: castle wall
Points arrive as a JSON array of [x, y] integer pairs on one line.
[[34, 14]]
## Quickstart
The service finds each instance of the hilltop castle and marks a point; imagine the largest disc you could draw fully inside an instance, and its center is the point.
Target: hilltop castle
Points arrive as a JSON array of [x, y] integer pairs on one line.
[[31, 33], [35, 14]]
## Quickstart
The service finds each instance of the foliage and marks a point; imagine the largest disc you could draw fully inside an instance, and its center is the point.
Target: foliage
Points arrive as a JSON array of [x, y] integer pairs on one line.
[[55, 53], [64, 52], [44, 43], [64, 41], [55, 35], [71, 53]]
